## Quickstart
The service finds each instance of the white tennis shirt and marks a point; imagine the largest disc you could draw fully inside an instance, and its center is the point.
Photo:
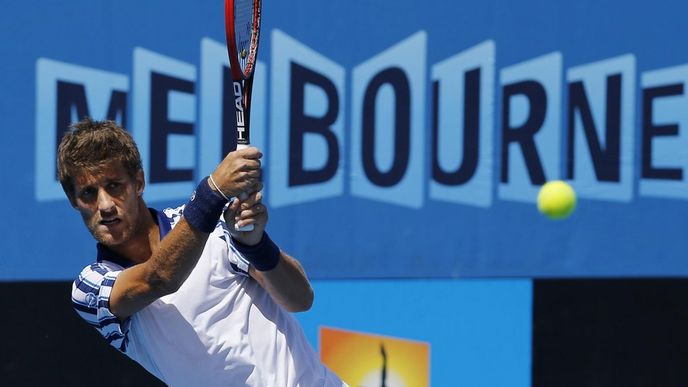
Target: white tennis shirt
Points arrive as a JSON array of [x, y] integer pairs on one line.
[[221, 328]]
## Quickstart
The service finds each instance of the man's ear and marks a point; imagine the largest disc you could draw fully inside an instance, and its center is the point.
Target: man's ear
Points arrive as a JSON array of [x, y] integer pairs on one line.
[[70, 196], [140, 183], [72, 200]]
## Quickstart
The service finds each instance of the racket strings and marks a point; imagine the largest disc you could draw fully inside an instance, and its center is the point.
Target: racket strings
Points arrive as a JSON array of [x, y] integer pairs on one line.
[[244, 20]]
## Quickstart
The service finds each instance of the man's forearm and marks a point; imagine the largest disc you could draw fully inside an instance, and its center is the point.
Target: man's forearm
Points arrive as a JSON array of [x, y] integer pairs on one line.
[[166, 270], [287, 284], [177, 255]]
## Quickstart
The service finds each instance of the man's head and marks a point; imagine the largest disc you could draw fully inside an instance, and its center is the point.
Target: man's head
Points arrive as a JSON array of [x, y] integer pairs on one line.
[[89, 146], [99, 167]]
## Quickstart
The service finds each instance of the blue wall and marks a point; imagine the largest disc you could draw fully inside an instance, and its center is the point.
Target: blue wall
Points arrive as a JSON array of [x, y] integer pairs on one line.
[[593, 64]]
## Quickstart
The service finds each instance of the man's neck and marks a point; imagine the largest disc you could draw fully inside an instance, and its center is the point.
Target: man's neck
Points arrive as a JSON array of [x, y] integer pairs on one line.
[[145, 239]]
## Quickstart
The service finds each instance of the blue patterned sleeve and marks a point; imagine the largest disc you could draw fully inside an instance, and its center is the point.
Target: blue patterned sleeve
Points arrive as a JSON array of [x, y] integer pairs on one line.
[[91, 300], [237, 261]]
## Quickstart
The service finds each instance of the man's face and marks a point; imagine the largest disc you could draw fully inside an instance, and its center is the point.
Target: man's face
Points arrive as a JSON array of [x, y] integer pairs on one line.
[[108, 200]]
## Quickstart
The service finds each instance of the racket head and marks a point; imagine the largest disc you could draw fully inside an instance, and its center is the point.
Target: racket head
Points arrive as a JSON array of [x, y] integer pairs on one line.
[[242, 27]]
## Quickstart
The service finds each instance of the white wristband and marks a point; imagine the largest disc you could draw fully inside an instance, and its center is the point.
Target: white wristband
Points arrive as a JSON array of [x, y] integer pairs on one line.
[[210, 177]]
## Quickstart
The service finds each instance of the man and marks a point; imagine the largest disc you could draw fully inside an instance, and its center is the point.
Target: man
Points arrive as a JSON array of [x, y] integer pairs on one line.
[[181, 292]]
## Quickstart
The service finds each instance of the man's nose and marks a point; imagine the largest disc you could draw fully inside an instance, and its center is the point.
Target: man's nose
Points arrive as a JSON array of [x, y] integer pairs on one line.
[[105, 202]]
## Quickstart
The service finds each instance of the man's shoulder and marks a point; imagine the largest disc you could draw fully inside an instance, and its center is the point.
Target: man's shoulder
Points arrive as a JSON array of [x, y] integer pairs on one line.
[[86, 289], [91, 300], [92, 276]]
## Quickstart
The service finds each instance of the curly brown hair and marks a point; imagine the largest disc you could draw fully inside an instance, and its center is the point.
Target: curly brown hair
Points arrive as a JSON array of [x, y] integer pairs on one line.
[[89, 145]]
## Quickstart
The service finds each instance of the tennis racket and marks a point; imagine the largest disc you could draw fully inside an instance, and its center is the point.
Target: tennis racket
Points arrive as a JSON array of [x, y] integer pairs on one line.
[[242, 25]]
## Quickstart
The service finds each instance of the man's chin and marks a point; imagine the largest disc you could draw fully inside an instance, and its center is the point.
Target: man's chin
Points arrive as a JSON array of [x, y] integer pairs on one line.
[[109, 239]]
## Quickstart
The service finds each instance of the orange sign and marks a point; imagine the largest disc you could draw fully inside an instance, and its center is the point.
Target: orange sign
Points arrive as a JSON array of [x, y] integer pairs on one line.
[[365, 360]]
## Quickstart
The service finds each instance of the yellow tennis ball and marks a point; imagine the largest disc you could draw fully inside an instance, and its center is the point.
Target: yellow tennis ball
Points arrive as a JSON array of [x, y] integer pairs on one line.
[[556, 199]]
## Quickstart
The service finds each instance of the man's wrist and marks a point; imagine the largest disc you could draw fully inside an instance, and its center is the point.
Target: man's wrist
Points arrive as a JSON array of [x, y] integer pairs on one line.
[[215, 187], [204, 208], [264, 255]]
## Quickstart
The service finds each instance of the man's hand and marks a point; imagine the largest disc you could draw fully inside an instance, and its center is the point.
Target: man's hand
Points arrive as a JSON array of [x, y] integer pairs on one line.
[[242, 213], [239, 173]]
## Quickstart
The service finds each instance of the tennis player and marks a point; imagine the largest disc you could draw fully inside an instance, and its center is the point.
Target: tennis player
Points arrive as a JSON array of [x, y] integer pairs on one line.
[[179, 291]]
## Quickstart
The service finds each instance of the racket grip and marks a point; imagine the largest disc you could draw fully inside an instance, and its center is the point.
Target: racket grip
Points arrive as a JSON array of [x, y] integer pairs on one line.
[[243, 196], [248, 227]]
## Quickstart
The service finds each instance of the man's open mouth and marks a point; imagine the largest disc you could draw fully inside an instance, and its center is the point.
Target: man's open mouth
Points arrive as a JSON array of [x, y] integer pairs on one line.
[[109, 222]]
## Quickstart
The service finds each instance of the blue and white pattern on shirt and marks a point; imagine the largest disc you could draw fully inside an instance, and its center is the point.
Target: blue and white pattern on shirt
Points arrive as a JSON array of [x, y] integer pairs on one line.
[[91, 299]]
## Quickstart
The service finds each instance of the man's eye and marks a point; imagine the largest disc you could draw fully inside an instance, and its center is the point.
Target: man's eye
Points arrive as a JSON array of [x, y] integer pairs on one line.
[[87, 193], [116, 186]]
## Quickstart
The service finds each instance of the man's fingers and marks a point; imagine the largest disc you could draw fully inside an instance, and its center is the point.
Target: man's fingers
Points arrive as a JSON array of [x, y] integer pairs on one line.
[[250, 165], [234, 207], [252, 199], [251, 207], [254, 173], [256, 187], [250, 153], [250, 213]]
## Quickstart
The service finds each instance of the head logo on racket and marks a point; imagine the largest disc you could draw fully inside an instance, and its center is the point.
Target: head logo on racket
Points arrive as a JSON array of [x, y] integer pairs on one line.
[[242, 22]]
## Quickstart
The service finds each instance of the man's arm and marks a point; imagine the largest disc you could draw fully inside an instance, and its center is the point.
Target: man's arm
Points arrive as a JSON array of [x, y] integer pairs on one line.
[[286, 282], [163, 273], [176, 255]]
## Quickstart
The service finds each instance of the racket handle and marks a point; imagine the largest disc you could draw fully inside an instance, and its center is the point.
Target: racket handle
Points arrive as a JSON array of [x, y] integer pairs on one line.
[[243, 196]]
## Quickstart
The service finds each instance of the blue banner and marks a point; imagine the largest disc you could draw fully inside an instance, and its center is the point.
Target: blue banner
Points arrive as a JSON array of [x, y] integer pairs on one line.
[[399, 140]]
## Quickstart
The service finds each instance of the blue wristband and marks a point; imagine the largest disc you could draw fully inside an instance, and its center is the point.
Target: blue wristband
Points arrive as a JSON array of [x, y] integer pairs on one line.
[[204, 208], [264, 256]]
